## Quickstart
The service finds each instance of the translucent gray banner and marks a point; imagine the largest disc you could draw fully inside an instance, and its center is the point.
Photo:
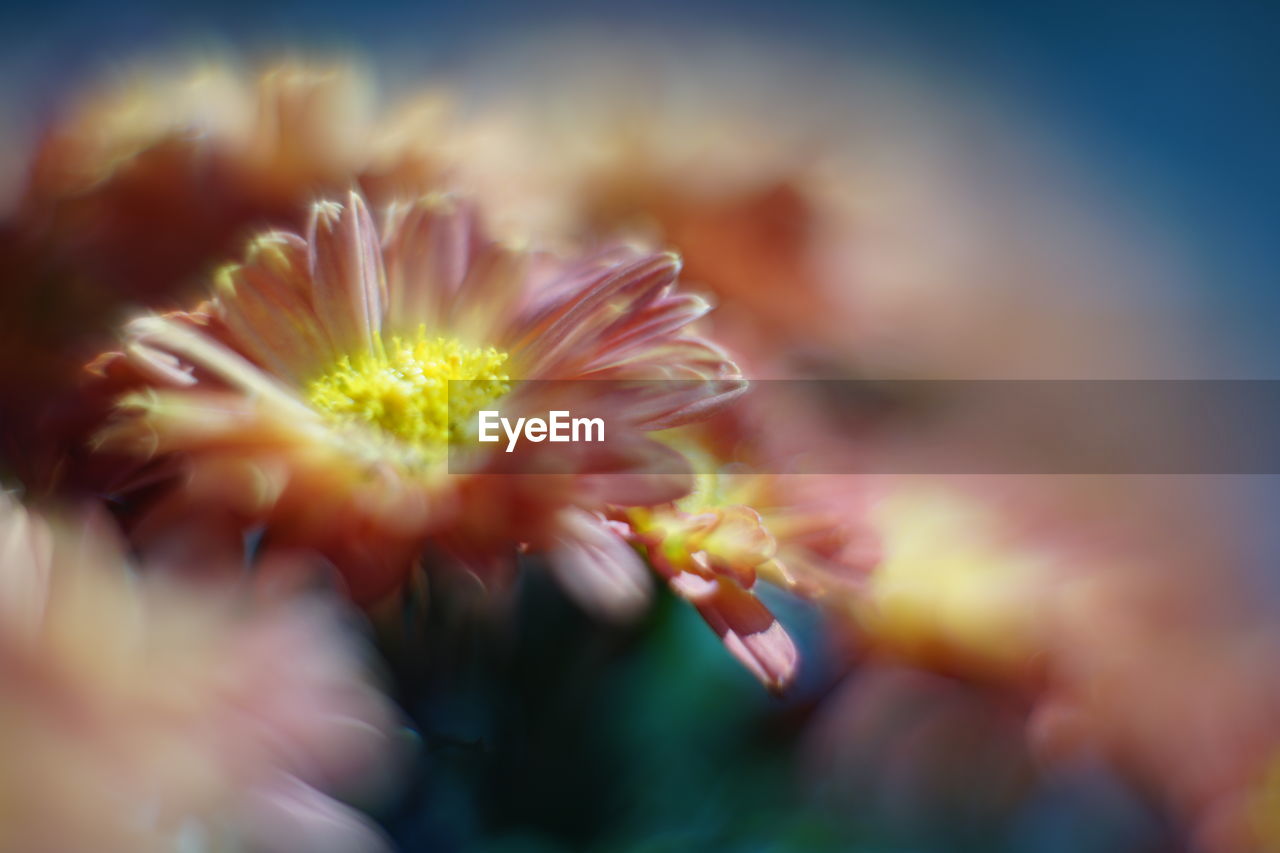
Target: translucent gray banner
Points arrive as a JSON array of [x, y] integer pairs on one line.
[[828, 426]]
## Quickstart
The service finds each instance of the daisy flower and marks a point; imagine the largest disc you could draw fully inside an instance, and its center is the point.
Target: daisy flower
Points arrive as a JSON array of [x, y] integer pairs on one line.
[[136, 190], [138, 714], [311, 394]]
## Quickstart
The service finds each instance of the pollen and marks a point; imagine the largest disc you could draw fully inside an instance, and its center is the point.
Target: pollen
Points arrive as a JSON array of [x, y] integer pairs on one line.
[[403, 389]]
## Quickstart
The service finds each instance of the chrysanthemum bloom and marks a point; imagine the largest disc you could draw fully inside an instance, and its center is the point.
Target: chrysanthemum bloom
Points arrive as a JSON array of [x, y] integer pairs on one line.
[[1096, 607], [312, 394], [838, 212], [711, 555], [136, 192], [137, 714], [802, 533]]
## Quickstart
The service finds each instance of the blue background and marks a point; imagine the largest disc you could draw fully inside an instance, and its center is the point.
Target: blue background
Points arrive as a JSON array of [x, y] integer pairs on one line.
[[1177, 104]]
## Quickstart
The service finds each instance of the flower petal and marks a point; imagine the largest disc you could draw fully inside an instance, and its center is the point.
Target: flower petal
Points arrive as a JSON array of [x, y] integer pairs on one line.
[[349, 287], [201, 351], [598, 568], [265, 304], [427, 250], [26, 552], [745, 626], [552, 340], [289, 815]]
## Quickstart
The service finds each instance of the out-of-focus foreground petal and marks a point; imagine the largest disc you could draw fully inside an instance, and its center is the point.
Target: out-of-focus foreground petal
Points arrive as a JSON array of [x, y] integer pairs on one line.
[[137, 714]]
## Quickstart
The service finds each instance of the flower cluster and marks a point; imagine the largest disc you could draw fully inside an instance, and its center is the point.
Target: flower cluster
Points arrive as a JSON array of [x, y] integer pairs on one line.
[[251, 323]]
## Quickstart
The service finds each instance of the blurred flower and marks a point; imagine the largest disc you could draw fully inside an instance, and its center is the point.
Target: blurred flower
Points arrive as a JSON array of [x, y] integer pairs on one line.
[[1174, 681], [853, 216], [954, 588], [749, 238], [313, 394], [158, 177], [805, 534], [1088, 596], [138, 190], [601, 145], [137, 714]]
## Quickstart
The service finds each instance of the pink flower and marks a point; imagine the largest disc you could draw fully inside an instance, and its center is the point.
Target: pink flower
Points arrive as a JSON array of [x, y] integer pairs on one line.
[[312, 394], [136, 188], [804, 534]]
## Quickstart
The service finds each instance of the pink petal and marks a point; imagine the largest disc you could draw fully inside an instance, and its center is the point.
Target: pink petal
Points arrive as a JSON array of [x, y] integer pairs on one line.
[[598, 568], [157, 367], [581, 316], [346, 269], [663, 317], [492, 288], [194, 347], [745, 626], [26, 562], [427, 250], [289, 815], [266, 305]]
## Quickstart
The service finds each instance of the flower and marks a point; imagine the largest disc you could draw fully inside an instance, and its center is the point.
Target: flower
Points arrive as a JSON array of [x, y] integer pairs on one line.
[[748, 522], [1157, 664], [710, 555], [122, 168], [136, 191], [140, 714], [954, 589], [310, 394]]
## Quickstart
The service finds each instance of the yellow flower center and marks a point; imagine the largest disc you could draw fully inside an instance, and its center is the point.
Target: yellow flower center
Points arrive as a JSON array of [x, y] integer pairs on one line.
[[403, 390]]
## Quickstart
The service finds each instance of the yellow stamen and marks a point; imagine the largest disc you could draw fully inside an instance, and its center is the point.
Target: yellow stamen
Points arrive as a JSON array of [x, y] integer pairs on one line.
[[403, 389]]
